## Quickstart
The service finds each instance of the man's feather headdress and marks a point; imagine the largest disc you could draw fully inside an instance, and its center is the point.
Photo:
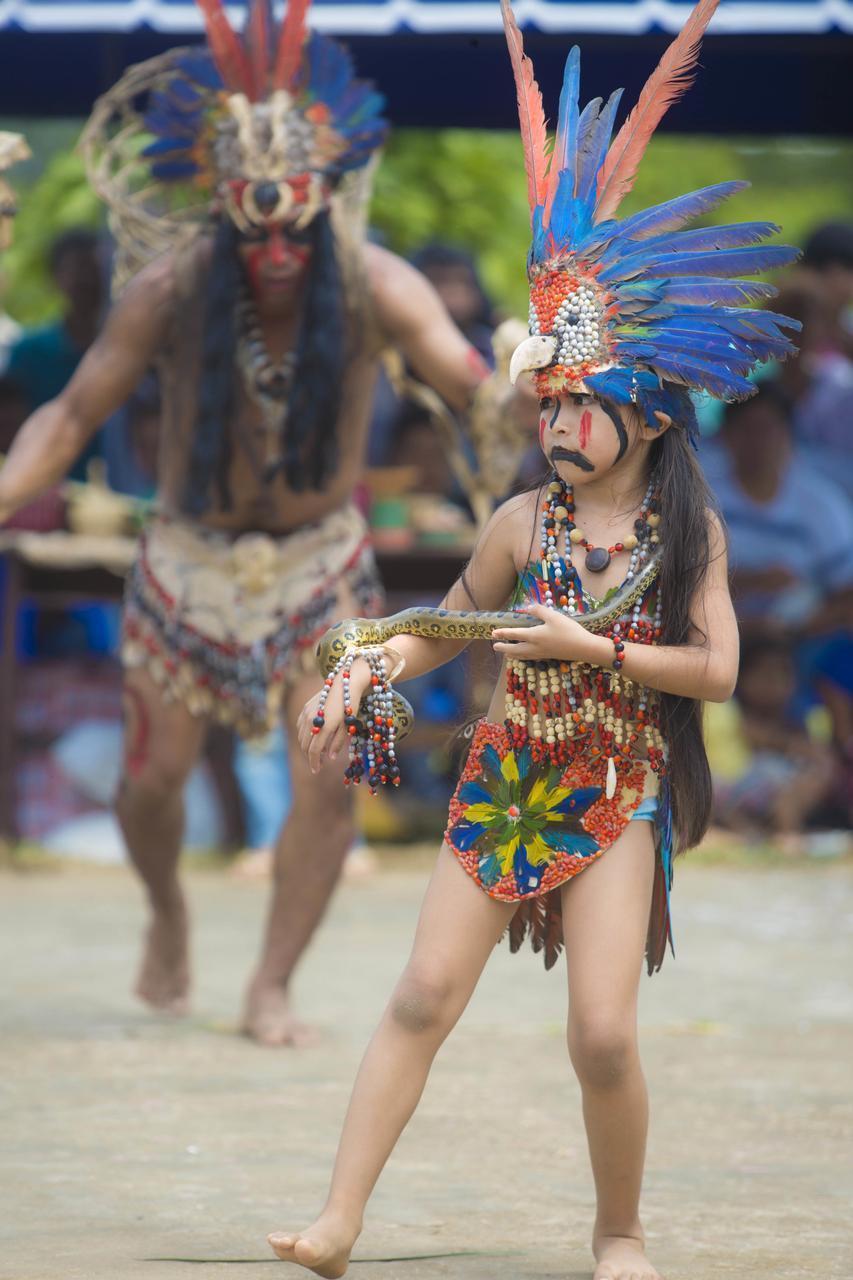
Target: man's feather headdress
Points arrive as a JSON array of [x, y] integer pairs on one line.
[[628, 307], [272, 117]]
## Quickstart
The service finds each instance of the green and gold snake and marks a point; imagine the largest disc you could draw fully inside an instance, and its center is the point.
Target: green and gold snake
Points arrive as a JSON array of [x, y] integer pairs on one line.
[[456, 624]]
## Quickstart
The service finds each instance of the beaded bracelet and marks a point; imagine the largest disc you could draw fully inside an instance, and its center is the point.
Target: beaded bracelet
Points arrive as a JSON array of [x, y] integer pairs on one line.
[[371, 734], [618, 649]]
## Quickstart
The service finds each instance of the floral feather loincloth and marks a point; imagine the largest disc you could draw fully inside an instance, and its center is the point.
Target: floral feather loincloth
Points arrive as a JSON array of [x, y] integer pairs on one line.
[[522, 828]]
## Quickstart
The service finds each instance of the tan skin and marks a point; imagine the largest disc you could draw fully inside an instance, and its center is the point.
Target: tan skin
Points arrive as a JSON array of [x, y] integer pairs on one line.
[[605, 910], [163, 740]]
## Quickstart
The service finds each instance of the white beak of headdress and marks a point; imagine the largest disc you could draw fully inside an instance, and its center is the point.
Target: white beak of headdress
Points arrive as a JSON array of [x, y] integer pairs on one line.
[[534, 353]]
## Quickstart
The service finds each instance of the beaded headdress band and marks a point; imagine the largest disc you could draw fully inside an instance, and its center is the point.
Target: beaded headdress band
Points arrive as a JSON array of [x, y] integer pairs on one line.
[[625, 308]]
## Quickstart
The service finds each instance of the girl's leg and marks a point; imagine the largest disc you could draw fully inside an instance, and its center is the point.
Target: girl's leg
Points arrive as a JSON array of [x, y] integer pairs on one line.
[[606, 916], [458, 928]]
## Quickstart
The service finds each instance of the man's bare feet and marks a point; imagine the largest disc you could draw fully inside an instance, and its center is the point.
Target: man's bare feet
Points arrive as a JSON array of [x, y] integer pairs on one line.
[[622, 1258], [324, 1248], [164, 975], [269, 1019]]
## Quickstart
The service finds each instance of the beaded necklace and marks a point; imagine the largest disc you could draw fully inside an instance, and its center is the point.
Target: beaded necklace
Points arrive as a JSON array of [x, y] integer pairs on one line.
[[562, 708]]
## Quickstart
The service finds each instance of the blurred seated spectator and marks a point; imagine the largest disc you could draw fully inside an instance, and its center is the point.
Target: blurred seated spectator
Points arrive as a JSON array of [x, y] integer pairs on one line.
[[790, 527], [42, 360], [827, 267], [819, 382], [771, 775], [13, 410], [454, 276]]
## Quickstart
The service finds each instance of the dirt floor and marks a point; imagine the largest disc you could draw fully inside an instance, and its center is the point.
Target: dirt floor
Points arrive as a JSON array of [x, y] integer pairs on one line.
[[142, 1149]]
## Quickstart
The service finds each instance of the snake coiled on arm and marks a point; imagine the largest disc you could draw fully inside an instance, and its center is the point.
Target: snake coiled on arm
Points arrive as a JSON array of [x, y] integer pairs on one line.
[[456, 624]]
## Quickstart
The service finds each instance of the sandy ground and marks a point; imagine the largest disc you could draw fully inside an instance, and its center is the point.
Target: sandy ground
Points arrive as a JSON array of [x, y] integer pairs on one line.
[[139, 1148]]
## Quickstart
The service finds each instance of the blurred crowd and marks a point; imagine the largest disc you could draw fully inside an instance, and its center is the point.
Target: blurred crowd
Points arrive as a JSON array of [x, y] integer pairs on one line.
[[780, 466]]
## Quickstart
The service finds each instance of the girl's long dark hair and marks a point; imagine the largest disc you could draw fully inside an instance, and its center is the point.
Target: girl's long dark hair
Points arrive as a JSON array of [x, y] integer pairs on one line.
[[310, 417], [685, 501]]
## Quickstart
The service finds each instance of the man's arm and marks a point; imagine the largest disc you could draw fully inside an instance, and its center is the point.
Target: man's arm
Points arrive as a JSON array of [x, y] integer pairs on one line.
[[416, 320], [52, 437]]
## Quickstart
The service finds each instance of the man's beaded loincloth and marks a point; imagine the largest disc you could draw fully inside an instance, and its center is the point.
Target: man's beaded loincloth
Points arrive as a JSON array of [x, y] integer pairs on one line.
[[222, 623]]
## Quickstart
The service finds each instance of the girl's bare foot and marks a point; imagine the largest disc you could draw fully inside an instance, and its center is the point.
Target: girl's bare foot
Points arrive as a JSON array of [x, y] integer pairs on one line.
[[622, 1258], [164, 975], [324, 1248]]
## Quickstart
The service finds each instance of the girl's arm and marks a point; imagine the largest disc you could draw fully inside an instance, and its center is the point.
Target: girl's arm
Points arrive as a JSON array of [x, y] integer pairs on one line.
[[486, 584], [705, 668]]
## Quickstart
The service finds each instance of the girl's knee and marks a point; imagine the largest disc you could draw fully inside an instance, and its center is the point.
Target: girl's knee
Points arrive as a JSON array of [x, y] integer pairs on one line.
[[423, 1001], [603, 1049]]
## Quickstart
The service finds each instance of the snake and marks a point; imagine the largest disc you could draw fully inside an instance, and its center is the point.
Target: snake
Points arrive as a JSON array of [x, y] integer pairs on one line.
[[463, 624]]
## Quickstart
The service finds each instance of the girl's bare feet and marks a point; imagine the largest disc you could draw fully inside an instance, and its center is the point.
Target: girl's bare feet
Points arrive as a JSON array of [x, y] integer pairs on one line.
[[622, 1258], [324, 1248]]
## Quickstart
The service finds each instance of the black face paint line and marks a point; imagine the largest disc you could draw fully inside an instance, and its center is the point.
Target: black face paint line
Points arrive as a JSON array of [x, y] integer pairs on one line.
[[610, 410], [555, 415], [570, 455]]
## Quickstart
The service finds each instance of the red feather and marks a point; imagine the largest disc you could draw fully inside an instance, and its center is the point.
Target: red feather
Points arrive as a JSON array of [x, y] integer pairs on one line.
[[260, 25], [226, 47], [289, 57], [670, 79], [531, 114]]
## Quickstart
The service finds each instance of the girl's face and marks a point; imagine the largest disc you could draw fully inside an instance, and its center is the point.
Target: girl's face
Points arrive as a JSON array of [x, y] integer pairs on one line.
[[582, 437]]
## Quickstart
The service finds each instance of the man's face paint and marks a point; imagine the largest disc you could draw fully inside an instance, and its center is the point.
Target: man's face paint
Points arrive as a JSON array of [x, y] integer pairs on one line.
[[275, 257]]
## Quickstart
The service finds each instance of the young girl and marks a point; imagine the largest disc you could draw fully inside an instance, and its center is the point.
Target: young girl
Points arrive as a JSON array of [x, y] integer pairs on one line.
[[590, 758]]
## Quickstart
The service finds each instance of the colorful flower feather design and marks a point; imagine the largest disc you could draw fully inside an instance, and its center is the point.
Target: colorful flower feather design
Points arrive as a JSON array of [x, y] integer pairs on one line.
[[519, 817], [635, 306]]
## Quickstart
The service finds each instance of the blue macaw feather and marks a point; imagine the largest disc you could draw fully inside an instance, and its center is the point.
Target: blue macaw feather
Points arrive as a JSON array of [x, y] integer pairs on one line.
[[527, 877], [671, 214], [524, 759], [565, 146], [183, 92], [164, 146], [474, 792], [173, 171], [722, 262], [701, 240], [578, 802], [466, 834], [198, 65], [330, 70], [703, 374], [161, 101], [701, 290], [738, 320], [490, 760], [578, 843], [594, 149], [165, 122], [489, 870], [755, 346]]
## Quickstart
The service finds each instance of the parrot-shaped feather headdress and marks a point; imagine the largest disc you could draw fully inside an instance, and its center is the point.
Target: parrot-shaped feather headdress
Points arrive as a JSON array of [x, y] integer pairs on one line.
[[628, 308]]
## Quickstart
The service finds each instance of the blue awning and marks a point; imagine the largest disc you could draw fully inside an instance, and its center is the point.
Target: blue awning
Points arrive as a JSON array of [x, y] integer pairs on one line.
[[771, 66]]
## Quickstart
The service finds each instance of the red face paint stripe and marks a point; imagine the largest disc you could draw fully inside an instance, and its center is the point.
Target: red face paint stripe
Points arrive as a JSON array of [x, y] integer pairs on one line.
[[585, 429]]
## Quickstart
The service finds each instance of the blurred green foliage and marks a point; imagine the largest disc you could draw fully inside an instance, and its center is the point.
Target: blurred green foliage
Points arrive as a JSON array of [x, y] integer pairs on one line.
[[464, 187]]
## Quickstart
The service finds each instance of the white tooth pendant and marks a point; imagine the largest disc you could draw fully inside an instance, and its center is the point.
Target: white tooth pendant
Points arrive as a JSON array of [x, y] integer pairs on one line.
[[610, 786]]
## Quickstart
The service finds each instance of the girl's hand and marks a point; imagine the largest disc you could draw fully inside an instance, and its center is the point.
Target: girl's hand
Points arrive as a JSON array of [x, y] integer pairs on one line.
[[558, 638], [326, 745]]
